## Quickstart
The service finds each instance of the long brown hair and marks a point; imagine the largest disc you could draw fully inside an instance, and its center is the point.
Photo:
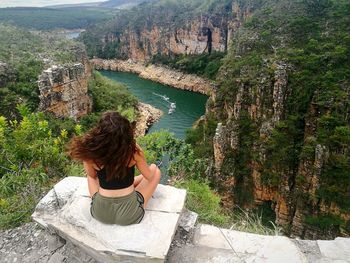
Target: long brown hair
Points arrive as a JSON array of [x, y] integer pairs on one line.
[[110, 144]]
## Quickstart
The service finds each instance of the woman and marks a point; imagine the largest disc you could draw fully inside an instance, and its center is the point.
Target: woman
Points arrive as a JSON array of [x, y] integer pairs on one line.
[[109, 154]]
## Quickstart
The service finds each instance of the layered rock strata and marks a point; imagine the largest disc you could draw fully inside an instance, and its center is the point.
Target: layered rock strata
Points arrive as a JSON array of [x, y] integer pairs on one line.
[[158, 74], [64, 87], [194, 32], [251, 119], [64, 90], [147, 115]]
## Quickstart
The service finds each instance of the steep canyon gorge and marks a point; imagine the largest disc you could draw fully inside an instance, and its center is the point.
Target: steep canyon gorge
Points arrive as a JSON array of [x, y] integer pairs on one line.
[[281, 105]]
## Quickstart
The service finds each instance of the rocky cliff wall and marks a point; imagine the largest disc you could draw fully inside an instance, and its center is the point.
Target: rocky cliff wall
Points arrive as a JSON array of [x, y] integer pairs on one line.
[[163, 31], [282, 139], [64, 89], [248, 171], [147, 116], [199, 36], [158, 74]]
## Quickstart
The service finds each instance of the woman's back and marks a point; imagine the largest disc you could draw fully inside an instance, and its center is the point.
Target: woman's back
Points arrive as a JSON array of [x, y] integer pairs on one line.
[[116, 183], [118, 197]]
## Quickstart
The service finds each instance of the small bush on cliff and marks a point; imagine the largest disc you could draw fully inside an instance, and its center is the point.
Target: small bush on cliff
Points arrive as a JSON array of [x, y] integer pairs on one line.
[[326, 222], [252, 222], [200, 137], [202, 200]]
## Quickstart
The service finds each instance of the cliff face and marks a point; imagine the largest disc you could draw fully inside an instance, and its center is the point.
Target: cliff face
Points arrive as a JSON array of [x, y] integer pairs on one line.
[[195, 37], [289, 187], [64, 89], [162, 31], [147, 115], [281, 140]]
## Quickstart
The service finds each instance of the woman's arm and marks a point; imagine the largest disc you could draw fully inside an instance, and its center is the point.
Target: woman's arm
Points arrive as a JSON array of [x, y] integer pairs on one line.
[[93, 182], [142, 165]]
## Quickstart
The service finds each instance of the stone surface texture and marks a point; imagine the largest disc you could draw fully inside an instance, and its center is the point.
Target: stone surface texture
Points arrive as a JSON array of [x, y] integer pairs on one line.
[[235, 246], [158, 74], [73, 236], [66, 211], [30, 243]]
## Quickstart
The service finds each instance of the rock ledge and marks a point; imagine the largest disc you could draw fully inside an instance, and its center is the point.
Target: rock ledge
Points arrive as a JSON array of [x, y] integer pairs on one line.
[[65, 210]]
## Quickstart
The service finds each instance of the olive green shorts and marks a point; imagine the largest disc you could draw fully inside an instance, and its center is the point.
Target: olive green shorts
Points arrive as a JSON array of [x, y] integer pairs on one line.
[[123, 210]]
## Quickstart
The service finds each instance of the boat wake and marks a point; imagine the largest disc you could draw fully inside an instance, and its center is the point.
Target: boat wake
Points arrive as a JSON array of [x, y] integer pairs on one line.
[[172, 105]]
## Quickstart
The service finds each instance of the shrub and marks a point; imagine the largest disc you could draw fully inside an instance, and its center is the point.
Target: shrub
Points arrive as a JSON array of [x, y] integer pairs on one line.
[[31, 159], [203, 201]]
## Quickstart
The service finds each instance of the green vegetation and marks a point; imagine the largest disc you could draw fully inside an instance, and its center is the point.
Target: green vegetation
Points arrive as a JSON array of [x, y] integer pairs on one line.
[[187, 171], [309, 41], [206, 65], [284, 149], [108, 95], [201, 136], [24, 54], [31, 159], [325, 223], [50, 18], [202, 200]]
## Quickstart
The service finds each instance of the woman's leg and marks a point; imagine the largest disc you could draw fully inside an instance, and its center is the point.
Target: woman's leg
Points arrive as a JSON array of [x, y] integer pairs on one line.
[[147, 188]]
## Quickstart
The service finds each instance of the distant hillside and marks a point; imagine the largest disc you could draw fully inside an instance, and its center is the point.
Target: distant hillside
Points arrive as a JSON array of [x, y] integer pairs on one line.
[[118, 3], [94, 4], [50, 18], [105, 4]]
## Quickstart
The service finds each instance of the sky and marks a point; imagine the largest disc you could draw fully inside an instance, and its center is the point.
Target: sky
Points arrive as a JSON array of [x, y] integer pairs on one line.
[[38, 3]]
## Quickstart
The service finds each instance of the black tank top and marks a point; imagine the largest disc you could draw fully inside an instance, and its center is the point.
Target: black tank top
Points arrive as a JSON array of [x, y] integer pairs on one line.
[[116, 184]]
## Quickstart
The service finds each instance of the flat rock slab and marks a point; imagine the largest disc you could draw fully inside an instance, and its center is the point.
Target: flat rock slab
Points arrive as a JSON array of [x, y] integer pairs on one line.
[[249, 247], [66, 211], [199, 254], [338, 249]]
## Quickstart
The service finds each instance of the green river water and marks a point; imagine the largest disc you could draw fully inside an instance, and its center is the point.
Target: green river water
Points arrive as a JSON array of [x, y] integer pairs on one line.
[[190, 106]]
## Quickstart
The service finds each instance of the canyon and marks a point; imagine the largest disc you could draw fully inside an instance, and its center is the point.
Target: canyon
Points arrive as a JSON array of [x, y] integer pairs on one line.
[[280, 142], [158, 74]]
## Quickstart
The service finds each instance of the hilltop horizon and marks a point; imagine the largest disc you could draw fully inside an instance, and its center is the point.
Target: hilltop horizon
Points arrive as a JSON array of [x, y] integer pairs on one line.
[[44, 3]]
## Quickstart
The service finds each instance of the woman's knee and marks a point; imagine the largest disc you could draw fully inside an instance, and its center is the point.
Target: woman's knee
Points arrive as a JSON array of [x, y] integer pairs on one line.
[[158, 173], [153, 167]]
